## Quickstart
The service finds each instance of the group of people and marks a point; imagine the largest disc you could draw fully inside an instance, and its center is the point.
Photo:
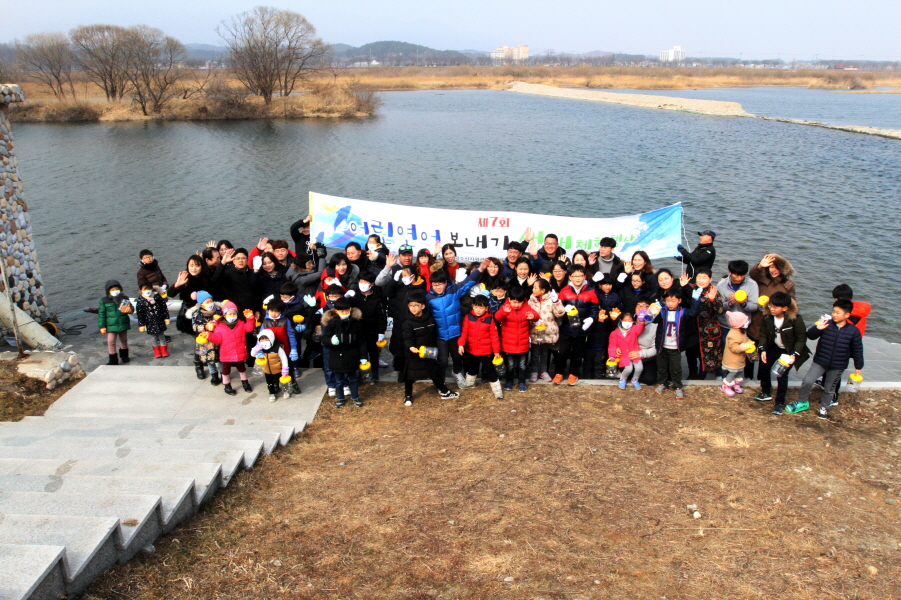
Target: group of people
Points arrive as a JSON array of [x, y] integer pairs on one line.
[[536, 314]]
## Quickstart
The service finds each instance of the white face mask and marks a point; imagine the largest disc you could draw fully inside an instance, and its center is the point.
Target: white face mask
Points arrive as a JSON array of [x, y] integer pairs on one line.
[[372, 247], [626, 325], [347, 316], [231, 318], [407, 280], [147, 293], [266, 344], [365, 287], [207, 307], [115, 293]]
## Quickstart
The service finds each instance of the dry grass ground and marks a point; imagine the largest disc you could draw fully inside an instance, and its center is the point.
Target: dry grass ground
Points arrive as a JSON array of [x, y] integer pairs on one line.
[[555, 493], [22, 396]]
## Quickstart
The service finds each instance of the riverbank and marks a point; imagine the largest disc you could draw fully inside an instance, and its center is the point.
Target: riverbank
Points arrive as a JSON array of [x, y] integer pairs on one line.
[[326, 101]]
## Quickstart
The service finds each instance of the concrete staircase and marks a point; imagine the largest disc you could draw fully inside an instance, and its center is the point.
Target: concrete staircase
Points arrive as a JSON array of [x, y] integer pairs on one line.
[[120, 459]]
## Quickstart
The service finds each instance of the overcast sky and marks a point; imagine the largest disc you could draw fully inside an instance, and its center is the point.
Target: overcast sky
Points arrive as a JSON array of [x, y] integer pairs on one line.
[[787, 29]]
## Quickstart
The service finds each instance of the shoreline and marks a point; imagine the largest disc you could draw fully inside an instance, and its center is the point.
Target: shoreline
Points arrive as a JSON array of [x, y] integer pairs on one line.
[[718, 108]]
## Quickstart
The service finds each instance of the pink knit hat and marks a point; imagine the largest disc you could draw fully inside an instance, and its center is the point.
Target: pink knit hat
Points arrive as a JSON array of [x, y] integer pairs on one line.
[[737, 320], [228, 305]]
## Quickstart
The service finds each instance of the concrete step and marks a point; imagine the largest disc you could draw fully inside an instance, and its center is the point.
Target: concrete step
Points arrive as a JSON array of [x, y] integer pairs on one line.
[[177, 498], [231, 460], [90, 542], [140, 520], [32, 572], [207, 477], [72, 425], [250, 448]]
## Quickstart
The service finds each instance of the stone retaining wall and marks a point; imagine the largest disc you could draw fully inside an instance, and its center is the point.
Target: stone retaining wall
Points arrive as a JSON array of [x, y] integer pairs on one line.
[[16, 236]]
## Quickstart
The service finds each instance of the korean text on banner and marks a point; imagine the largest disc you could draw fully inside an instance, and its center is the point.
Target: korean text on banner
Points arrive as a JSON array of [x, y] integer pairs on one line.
[[478, 234]]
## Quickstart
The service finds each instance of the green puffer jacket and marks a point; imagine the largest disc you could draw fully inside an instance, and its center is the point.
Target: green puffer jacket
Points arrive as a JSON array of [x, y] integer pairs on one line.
[[109, 316]]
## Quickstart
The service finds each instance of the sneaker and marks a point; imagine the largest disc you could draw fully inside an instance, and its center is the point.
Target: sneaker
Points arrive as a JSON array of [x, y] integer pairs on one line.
[[331, 392], [408, 401], [358, 402], [246, 385], [679, 394], [659, 389], [727, 389], [833, 403], [522, 386], [622, 384], [271, 397], [286, 394], [228, 389], [636, 385], [545, 377], [796, 407], [383, 364], [448, 395], [558, 378], [533, 378], [347, 391], [572, 380], [295, 389], [339, 402], [822, 414], [777, 410], [818, 383], [508, 386], [763, 397], [736, 387]]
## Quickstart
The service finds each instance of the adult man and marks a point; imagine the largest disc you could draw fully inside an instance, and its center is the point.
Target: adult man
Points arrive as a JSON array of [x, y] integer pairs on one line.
[[608, 262], [738, 284], [300, 233], [543, 258], [702, 257], [394, 263], [356, 256], [514, 251]]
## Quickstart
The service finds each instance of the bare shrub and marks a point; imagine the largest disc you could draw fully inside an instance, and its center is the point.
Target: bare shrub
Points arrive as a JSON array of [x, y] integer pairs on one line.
[[48, 58]]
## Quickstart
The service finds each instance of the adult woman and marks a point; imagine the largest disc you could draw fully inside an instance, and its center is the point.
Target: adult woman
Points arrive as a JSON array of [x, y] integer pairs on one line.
[[306, 273], [376, 251], [194, 278], [666, 281], [342, 271], [580, 257], [269, 278], [490, 276], [448, 262], [641, 263], [559, 276], [773, 274], [634, 289]]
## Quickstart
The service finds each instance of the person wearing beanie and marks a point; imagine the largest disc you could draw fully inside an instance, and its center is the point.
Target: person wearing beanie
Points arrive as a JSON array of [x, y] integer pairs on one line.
[[702, 257], [149, 273], [735, 353], [230, 333], [417, 331], [203, 320], [114, 322], [342, 333], [275, 364], [153, 319]]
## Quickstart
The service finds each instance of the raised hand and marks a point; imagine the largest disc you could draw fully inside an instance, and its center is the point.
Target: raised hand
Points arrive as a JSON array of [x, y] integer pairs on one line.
[[532, 278], [593, 258], [228, 256], [684, 279], [627, 265], [261, 245], [712, 293], [527, 235], [391, 260], [211, 244], [181, 279]]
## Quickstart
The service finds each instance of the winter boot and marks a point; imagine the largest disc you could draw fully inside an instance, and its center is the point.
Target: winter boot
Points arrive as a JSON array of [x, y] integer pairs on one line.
[[201, 370], [496, 388], [156, 351], [113, 359], [215, 378], [468, 382], [246, 385], [123, 356], [230, 390], [164, 351]]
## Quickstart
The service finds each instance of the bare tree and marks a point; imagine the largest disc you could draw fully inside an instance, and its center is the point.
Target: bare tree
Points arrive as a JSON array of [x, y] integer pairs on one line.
[[153, 62], [271, 50], [100, 52], [48, 57], [8, 73]]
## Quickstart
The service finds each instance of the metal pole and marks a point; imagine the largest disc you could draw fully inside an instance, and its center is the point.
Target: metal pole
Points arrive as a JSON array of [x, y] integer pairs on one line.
[[12, 307]]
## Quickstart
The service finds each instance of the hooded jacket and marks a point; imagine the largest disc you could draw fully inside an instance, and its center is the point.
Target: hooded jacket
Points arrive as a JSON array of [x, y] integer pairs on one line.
[[276, 360], [446, 306], [549, 311], [418, 331], [515, 327], [768, 285], [479, 335], [152, 317], [343, 357], [231, 337], [793, 332], [625, 342], [109, 313]]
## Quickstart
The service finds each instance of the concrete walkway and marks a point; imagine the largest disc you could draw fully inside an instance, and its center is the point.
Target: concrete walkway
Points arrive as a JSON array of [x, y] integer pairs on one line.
[[122, 458]]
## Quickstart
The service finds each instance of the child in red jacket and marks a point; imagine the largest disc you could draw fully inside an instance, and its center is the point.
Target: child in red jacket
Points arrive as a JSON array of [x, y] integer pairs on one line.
[[515, 318], [229, 334], [623, 347], [479, 344]]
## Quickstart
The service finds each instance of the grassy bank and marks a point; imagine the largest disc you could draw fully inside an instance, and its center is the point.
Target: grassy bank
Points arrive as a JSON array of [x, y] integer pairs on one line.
[[22, 396], [323, 100], [559, 492]]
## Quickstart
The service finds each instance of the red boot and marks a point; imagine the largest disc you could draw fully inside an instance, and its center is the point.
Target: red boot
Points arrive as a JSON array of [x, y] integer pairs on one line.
[[157, 351], [164, 351]]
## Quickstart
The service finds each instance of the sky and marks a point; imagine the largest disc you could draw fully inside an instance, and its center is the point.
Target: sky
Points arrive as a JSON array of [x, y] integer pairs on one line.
[[759, 29]]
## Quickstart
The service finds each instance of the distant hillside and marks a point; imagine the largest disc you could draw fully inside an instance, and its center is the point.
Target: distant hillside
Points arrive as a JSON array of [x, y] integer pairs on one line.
[[205, 52], [394, 53]]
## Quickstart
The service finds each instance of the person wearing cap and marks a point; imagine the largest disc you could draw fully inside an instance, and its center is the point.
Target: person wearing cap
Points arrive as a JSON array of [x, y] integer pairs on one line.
[[702, 257], [394, 263]]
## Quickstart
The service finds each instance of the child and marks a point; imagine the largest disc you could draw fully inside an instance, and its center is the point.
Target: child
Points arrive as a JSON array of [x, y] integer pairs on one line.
[[272, 351], [342, 334], [497, 297], [419, 330], [623, 346], [203, 319], [114, 322], [294, 306], [782, 336], [860, 310], [333, 293], [609, 308], [149, 273], [707, 356], [647, 342], [545, 331], [153, 317], [230, 333], [515, 318], [371, 303], [278, 324], [478, 345], [735, 356], [577, 294], [671, 324], [839, 342]]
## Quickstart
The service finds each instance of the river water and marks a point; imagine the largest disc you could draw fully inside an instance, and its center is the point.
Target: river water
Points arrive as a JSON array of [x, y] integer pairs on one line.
[[826, 200]]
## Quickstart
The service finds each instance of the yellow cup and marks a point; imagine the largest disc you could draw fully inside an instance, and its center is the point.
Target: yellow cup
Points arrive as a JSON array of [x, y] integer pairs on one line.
[[762, 300], [201, 339], [382, 343], [741, 296], [573, 311], [856, 377], [540, 327], [751, 348], [285, 379], [365, 366], [297, 318], [261, 361], [497, 360]]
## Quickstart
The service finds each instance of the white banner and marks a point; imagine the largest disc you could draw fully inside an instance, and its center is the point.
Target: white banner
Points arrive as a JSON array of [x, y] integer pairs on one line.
[[478, 234]]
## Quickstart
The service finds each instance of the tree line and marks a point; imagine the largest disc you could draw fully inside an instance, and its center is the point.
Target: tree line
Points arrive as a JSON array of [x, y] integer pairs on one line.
[[270, 51]]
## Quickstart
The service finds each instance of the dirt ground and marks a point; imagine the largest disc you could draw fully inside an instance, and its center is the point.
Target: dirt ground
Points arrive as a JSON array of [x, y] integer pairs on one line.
[[583, 492], [22, 396]]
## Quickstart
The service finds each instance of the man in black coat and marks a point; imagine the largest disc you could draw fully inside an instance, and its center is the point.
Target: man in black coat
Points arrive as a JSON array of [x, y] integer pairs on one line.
[[702, 257]]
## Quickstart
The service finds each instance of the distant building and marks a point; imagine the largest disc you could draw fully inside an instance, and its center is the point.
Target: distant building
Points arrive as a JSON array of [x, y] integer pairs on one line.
[[509, 54], [674, 55]]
